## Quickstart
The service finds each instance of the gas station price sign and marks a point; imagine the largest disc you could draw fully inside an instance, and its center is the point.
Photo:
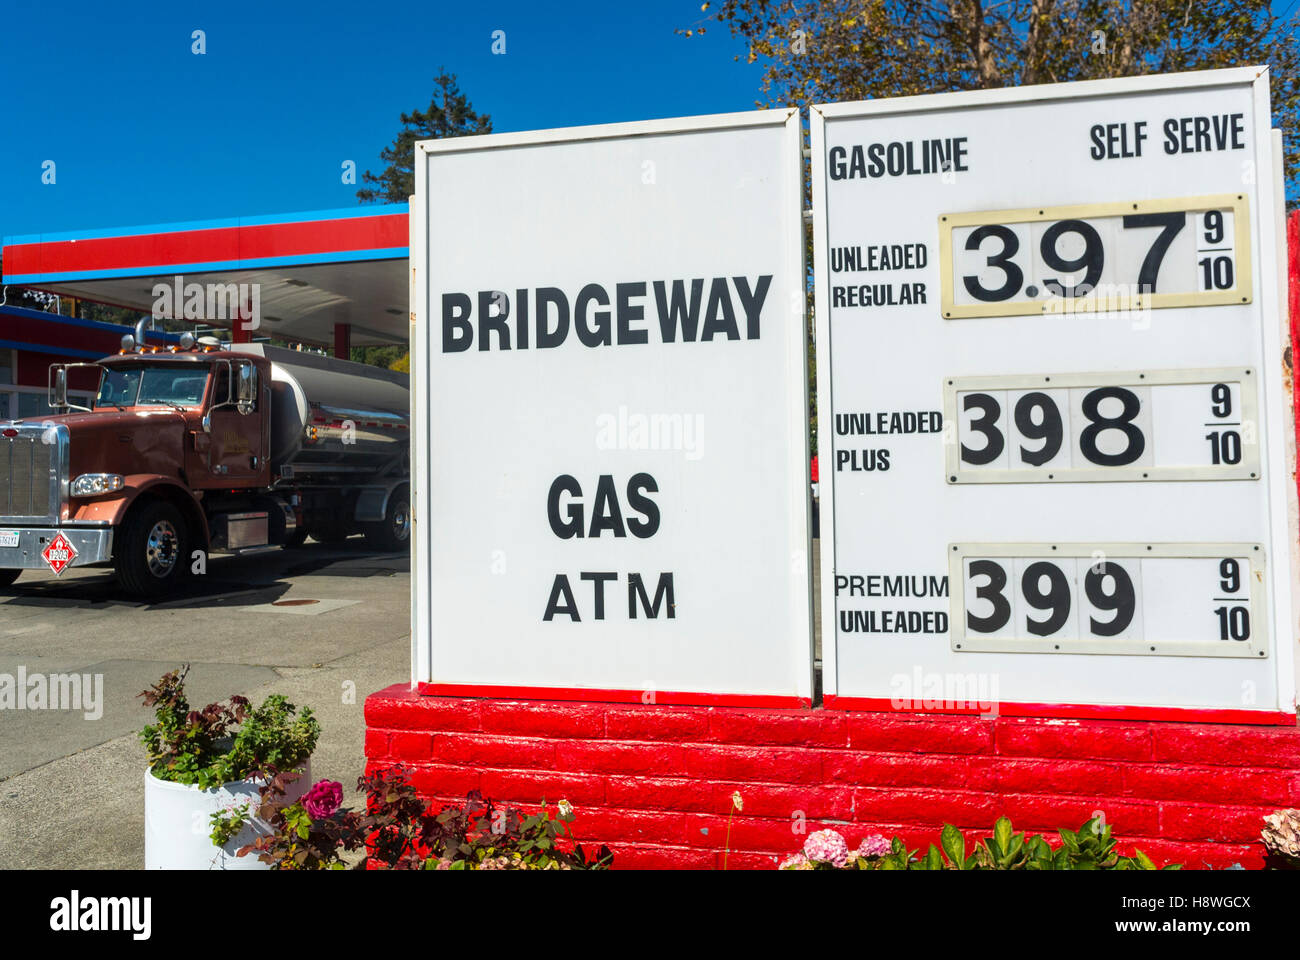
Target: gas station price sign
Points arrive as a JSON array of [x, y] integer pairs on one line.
[[1054, 421]]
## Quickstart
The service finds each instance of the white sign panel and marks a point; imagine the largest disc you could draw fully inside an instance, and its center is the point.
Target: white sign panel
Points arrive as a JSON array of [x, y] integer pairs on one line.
[[1053, 422], [611, 413]]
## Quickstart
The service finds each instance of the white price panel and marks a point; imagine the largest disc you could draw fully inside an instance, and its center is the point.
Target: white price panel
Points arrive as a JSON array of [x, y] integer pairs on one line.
[[1054, 400], [1136, 255], [1134, 426], [1198, 600]]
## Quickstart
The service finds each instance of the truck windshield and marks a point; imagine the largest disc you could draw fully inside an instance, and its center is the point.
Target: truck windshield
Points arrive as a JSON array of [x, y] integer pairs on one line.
[[143, 386]]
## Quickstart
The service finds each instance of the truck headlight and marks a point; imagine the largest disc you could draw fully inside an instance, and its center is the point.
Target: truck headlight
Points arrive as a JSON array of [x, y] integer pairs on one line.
[[93, 484]]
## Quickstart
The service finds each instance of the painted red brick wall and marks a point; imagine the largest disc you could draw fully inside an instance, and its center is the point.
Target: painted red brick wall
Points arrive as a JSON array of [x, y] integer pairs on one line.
[[655, 783]]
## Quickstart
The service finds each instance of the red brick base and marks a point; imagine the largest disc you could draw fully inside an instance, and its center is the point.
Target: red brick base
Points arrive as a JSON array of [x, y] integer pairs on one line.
[[655, 783]]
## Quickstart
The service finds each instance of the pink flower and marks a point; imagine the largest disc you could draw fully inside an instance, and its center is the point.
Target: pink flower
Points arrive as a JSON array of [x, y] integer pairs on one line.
[[795, 861], [828, 847], [323, 799], [873, 846]]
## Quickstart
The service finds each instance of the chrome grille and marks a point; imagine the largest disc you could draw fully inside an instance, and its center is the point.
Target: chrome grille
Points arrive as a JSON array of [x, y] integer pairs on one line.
[[32, 472]]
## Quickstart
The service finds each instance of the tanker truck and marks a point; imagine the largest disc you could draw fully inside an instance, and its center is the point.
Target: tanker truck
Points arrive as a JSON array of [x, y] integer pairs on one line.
[[203, 448]]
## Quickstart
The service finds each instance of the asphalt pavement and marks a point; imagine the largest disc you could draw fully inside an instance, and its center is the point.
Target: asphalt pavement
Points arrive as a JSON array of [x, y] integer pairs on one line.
[[324, 625]]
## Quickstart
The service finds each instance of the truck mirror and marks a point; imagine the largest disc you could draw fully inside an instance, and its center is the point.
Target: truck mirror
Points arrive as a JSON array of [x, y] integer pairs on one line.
[[247, 388], [58, 395]]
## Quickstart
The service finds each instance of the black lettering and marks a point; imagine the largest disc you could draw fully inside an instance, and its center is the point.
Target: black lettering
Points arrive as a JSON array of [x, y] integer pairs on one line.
[[605, 512], [837, 163], [547, 296], [598, 589], [521, 325], [628, 312], [493, 323], [752, 303], [600, 334], [560, 590], [457, 332], [678, 312], [1171, 135], [637, 487], [1098, 151], [664, 591], [959, 154], [856, 166], [573, 527], [719, 315]]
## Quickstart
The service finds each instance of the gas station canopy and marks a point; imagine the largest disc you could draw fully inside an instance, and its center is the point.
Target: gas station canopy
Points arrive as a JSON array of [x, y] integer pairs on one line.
[[323, 275]]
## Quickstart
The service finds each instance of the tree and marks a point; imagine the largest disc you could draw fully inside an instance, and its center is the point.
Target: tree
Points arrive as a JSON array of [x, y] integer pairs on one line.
[[822, 51], [449, 115], [379, 356]]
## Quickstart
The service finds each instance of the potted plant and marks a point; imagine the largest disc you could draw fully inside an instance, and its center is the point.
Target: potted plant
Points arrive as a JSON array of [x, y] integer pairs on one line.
[[206, 768]]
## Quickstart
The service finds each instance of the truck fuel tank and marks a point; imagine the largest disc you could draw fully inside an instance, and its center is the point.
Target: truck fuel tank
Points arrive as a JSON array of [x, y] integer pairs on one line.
[[330, 415]]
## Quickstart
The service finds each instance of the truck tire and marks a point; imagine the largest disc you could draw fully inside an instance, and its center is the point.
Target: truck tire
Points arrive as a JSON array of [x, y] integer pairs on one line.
[[152, 554], [296, 539], [393, 533], [7, 577]]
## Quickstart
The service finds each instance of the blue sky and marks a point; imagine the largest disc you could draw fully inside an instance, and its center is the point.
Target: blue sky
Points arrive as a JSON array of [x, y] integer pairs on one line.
[[143, 131]]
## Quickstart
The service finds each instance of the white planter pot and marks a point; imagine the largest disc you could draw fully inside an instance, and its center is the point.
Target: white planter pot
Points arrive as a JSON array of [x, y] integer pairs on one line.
[[177, 824]]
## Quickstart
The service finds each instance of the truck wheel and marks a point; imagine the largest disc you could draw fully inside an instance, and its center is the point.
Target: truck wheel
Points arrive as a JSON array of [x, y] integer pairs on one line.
[[8, 576], [296, 539], [393, 533], [152, 555]]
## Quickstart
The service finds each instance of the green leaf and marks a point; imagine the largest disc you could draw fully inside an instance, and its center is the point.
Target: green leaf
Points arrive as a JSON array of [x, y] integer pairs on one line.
[[1002, 833], [1016, 855], [954, 845]]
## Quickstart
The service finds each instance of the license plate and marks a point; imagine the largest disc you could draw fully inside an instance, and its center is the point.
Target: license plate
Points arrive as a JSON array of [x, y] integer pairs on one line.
[[8, 538], [1101, 257]]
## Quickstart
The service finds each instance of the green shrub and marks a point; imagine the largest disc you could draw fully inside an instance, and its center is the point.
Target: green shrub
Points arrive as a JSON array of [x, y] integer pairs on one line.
[[223, 741], [1091, 847]]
